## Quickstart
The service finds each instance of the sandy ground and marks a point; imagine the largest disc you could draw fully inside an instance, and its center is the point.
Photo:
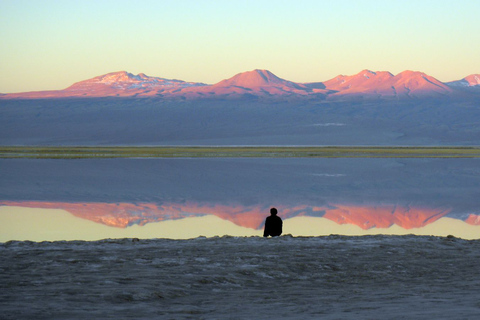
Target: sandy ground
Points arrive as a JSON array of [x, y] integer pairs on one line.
[[333, 277]]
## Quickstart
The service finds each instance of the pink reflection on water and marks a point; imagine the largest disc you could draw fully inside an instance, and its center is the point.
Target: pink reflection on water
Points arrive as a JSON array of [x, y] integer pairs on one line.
[[122, 214]]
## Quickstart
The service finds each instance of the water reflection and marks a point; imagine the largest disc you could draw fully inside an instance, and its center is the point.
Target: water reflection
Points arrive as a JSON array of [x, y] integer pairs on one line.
[[122, 215], [368, 193]]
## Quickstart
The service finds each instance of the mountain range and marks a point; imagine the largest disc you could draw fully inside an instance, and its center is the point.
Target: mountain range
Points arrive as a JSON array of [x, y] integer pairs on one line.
[[265, 84]]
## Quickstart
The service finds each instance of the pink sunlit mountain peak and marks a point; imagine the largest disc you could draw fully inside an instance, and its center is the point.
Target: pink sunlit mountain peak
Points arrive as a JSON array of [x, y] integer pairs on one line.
[[258, 83], [363, 81], [384, 84], [251, 79], [472, 80]]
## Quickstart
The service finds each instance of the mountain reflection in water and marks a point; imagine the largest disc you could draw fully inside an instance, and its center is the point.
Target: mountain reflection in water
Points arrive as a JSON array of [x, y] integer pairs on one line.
[[122, 215]]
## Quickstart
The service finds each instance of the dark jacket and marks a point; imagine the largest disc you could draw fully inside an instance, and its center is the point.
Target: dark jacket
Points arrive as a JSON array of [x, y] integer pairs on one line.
[[273, 226]]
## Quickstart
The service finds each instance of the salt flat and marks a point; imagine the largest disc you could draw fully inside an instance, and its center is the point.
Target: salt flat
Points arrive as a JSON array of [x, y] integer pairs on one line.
[[157, 122], [333, 277]]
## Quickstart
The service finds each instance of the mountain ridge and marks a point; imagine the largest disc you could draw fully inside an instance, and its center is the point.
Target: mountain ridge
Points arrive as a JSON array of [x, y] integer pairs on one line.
[[263, 83]]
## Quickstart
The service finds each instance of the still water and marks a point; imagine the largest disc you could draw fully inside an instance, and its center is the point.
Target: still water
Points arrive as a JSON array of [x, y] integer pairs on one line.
[[370, 194]]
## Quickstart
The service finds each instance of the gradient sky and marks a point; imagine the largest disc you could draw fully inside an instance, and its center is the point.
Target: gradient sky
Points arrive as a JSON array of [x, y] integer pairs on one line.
[[48, 44]]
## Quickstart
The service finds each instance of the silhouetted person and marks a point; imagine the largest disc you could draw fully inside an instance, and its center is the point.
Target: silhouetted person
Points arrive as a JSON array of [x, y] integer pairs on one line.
[[273, 224]]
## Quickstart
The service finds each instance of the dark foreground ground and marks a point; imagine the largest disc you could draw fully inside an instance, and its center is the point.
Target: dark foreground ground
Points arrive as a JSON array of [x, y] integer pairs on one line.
[[335, 277]]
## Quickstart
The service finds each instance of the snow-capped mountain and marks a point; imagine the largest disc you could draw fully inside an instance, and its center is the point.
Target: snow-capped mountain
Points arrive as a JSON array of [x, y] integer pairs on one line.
[[115, 84], [472, 80], [126, 81]]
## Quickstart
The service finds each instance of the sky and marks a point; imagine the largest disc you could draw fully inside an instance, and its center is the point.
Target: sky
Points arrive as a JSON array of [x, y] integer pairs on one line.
[[49, 45]]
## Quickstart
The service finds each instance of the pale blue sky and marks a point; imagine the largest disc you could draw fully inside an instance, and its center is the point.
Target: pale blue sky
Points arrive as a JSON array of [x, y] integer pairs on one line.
[[52, 44]]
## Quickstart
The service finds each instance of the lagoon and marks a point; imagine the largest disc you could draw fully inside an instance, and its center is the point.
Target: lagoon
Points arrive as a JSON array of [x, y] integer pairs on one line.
[[371, 195]]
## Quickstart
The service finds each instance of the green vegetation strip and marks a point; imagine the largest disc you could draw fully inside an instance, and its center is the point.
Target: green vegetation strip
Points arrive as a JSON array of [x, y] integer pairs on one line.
[[64, 152]]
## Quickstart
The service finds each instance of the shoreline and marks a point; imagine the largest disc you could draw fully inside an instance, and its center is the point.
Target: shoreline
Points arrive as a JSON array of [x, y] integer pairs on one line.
[[85, 152]]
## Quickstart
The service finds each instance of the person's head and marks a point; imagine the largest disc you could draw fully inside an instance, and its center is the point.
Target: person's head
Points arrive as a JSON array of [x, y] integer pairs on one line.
[[273, 211]]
